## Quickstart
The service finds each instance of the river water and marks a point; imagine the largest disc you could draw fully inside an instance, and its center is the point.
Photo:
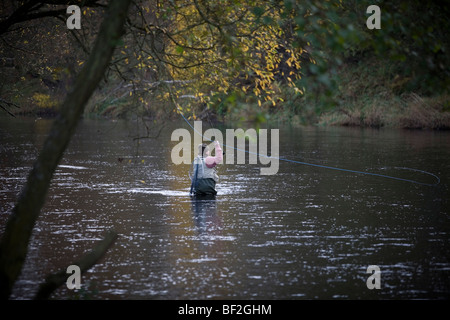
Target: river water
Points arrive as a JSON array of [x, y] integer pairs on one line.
[[304, 233]]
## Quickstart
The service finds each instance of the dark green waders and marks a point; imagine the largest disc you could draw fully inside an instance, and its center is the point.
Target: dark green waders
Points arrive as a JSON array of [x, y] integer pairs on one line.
[[206, 186], [202, 186]]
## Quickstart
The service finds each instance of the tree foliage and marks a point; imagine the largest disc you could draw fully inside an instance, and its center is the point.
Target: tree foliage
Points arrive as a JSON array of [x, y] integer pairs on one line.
[[223, 56]]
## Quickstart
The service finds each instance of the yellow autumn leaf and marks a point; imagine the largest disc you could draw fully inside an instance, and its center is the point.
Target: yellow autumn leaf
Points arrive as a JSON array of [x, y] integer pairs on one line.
[[297, 90]]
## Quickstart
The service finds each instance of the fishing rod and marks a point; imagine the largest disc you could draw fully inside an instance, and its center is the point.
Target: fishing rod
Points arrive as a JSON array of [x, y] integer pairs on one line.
[[329, 167]]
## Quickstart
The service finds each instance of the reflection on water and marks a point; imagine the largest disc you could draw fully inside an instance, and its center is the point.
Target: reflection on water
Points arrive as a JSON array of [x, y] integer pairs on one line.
[[304, 233], [204, 211]]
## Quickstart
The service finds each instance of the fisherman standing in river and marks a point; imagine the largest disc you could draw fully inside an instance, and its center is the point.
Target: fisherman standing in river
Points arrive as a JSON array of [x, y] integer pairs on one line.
[[204, 170]]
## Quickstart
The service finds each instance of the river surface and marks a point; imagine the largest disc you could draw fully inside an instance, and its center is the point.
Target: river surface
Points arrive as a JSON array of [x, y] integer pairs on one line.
[[304, 233]]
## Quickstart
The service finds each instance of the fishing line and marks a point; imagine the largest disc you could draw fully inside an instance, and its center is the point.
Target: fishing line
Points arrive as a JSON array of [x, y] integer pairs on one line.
[[328, 167]]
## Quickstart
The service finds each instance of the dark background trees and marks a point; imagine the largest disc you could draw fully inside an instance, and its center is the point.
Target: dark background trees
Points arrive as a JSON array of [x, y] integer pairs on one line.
[[251, 57]]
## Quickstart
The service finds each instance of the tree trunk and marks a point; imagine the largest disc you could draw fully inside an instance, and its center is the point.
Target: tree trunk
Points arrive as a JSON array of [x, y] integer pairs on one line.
[[14, 244]]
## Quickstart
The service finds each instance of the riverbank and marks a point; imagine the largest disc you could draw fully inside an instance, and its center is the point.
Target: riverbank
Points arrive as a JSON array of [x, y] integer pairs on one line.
[[409, 111], [377, 94], [369, 93]]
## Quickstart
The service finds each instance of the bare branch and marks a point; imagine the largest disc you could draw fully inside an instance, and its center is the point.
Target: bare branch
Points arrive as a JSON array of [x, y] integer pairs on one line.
[[54, 281]]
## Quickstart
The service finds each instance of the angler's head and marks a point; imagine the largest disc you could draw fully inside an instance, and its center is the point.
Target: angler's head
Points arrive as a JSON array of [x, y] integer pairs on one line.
[[203, 150]]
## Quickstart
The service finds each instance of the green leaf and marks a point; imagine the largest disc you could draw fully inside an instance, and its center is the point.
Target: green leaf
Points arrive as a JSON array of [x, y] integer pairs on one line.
[[258, 11], [179, 49]]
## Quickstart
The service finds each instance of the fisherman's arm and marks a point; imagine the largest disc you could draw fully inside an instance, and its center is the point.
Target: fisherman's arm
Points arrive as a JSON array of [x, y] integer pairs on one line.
[[213, 161]]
